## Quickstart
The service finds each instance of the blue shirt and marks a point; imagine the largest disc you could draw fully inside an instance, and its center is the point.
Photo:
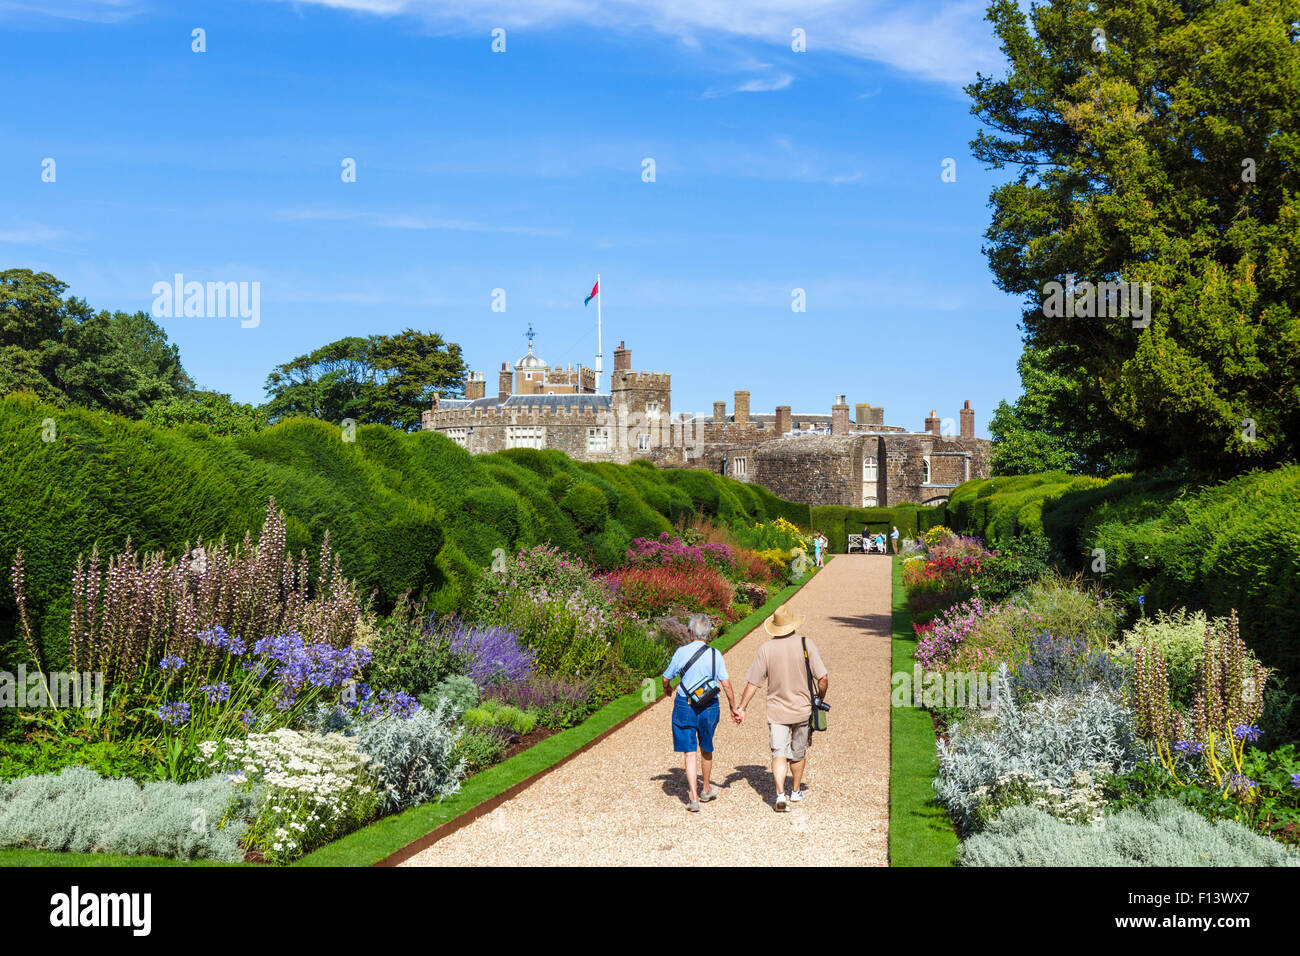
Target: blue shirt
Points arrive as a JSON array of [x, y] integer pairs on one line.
[[698, 671]]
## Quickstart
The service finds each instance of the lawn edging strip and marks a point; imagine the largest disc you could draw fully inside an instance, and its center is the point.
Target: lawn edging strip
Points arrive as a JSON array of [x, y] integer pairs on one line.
[[397, 838], [920, 831]]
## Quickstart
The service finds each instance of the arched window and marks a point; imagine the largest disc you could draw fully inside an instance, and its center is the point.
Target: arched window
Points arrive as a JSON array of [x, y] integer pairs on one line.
[[925, 470]]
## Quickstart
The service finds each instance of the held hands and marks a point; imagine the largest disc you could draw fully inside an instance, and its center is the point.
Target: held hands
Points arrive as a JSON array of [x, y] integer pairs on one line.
[[737, 715]]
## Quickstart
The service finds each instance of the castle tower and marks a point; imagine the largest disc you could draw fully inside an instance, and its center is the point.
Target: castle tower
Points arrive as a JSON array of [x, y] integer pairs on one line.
[[967, 421]]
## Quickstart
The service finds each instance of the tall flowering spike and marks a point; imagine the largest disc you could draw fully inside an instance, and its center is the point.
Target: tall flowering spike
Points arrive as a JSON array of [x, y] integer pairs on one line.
[[17, 577]]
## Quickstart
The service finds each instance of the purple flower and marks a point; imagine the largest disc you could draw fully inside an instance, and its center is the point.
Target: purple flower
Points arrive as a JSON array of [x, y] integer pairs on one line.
[[172, 662], [492, 655], [1187, 747], [218, 638], [1239, 783], [216, 693], [1295, 781], [1247, 732], [175, 713], [247, 718]]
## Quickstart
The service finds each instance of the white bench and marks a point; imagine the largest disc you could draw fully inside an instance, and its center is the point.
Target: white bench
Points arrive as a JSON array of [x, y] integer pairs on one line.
[[855, 543]]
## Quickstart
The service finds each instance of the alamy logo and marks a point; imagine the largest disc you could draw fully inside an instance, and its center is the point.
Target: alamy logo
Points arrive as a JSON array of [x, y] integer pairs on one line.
[[211, 300], [1086, 300], [134, 910], [63, 690]]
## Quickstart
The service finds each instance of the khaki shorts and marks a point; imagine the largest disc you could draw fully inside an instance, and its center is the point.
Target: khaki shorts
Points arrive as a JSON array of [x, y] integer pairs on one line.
[[789, 740]]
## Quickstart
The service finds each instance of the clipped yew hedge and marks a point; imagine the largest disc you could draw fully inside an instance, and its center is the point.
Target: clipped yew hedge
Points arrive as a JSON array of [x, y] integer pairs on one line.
[[1171, 539], [837, 522], [404, 511]]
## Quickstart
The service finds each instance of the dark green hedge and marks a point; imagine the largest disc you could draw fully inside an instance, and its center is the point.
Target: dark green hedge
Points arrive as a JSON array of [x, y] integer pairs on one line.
[[404, 511], [837, 522], [1171, 539]]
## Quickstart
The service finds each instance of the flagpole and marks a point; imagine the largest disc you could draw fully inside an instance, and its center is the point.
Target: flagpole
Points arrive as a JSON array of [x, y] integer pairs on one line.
[[600, 294]]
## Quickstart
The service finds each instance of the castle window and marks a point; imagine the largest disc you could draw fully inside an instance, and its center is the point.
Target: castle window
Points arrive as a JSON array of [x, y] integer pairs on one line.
[[925, 470], [525, 436], [459, 435], [597, 439], [652, 409], [739, 468], [869, 469], [868, 501], [643, 442]]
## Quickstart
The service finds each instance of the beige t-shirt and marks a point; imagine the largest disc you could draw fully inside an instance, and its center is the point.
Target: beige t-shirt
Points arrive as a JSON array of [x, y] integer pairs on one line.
[[779, 662]]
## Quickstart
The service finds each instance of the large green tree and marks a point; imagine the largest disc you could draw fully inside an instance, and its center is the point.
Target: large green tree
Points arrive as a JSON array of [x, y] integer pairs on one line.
[[384, 379], [63, 350], [1157, 142]]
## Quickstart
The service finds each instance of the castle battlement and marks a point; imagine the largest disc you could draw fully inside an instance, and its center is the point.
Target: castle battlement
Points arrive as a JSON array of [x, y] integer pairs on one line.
[[627, 378]]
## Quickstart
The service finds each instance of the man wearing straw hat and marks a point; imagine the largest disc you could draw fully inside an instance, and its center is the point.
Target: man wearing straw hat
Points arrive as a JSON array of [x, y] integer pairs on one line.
[[780, 664]]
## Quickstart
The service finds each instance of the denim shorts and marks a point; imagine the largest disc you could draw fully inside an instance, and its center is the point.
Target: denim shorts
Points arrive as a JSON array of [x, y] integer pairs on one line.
[[691, 727]]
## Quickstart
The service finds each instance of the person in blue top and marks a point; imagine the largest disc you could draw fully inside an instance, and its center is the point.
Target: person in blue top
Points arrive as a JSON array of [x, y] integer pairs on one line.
[[704, 676]]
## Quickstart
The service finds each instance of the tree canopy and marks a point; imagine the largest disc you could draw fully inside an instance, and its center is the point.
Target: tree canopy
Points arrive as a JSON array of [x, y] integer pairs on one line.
[[1157, 142], [381, 379], [62, 350]]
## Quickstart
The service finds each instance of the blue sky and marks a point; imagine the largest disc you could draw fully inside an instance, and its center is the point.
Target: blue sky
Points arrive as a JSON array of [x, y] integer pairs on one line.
[[522, 171]]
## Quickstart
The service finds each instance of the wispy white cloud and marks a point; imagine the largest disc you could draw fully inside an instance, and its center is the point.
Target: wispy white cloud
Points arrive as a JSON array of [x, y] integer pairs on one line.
[[33, 234], [946, 41], [410, 221], [766, 85], [92, 11]]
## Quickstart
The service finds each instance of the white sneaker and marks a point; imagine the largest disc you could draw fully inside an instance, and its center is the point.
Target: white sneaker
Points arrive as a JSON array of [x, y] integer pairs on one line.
[[795, 796], [781, 805]]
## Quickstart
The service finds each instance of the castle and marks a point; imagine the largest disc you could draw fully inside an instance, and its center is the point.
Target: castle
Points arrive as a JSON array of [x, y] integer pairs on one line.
[[816, 458]]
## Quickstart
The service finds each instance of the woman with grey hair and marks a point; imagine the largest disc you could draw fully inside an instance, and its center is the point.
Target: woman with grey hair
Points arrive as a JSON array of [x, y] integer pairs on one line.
[[704, 677]]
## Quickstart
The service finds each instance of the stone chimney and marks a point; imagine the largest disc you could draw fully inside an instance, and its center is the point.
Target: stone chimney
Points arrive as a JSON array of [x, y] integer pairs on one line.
[[475, 387], [782, 419], [932, 423], [719, 412], [505, 385], [869, 415], [742, 409], [840, 416], [967, 421], [622, 358]]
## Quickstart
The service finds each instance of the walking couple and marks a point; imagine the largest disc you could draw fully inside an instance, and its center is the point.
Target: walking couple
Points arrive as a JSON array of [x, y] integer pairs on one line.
[[792, 669]]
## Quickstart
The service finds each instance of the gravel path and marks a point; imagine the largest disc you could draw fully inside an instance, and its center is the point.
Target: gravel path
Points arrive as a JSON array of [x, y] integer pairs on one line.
[[623, 801]]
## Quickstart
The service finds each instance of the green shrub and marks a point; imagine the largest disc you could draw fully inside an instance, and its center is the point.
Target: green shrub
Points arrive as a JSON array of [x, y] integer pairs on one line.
[[587, 506], [492, 713], [481, 748], [1180, 638], [1162, 833], [132, 757], [408, 654], [459, 692]]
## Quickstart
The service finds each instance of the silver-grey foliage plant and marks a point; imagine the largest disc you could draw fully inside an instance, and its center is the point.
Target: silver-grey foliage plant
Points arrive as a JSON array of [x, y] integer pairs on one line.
[[1050, 739], [414, 758], [1161, 833], [78, 811]]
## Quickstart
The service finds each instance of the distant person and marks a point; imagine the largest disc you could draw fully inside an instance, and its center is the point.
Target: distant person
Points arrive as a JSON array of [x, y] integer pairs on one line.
[[779, 663], [703, 675], [818, 541], [866, 539], [880, 542], [893, 539]]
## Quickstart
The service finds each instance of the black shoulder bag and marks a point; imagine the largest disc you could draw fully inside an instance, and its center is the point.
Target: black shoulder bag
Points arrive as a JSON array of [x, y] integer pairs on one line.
[[706, 691], [817, 721]]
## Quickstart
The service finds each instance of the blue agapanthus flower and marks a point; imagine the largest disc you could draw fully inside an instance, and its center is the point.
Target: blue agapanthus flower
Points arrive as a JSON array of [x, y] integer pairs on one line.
[[216, 693], [172, 662], [218, 638], [1295, 781], [248, 718], [1247, 732], [1187, 747], [176, 713]]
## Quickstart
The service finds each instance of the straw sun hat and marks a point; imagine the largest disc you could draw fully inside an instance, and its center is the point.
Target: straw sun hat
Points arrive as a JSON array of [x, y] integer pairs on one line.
[[782, 622]]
